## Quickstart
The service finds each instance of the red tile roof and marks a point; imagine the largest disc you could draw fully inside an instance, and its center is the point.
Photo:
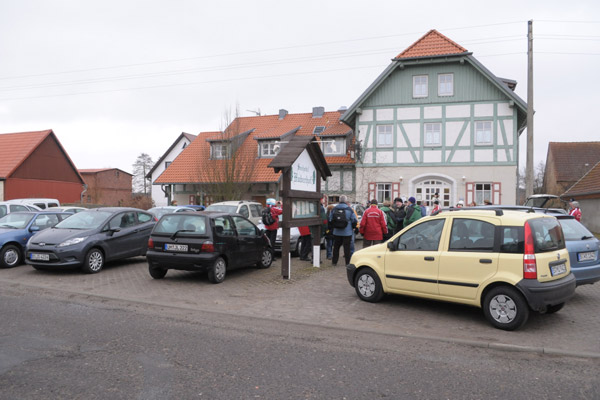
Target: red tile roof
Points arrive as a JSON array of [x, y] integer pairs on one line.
[[95, 171], [570, 159], [194, 163], [432, 43], [16, 147], [588, 184]]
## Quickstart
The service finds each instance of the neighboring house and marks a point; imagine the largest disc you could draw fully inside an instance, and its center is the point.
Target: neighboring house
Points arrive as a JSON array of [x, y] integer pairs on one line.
[[567, 162], [233, 164], [34, 164], [107, 186], [159, 193], [587, 192], [437, 120]]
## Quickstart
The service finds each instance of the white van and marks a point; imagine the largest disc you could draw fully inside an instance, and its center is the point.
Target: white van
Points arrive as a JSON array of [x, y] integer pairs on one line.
[[40, 203]]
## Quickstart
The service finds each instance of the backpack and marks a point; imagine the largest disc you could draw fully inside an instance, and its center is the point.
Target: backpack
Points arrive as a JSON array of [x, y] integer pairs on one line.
[[267, 217], [339, 219]]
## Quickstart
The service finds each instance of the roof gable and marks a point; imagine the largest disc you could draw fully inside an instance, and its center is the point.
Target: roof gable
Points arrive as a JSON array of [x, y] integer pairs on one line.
[[181, 138], [588, 184], [431, 44], [569, 159]]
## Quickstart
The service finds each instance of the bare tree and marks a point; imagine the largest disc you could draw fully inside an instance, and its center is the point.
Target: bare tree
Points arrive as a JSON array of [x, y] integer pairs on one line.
[[141, 166], [538, 178]]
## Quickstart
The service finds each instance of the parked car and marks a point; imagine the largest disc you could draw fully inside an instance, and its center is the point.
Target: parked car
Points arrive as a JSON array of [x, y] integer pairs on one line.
[[247, 209], [67, 209], [40, 203], [15, 230], [506, 262], [90, 238], [206, 241], [7, 207], [294, 240], [160, 211], [196, 207], [548, 201]]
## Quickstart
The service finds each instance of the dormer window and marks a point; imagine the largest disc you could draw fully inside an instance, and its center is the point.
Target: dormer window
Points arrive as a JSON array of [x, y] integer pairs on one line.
[[269, 148], [219, 151], [333, 146], [318, 130]]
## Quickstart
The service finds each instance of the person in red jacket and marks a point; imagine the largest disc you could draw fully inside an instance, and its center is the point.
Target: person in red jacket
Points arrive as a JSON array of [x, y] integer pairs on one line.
[[373, 225], [575, 211], [305, 243], [275, 213]]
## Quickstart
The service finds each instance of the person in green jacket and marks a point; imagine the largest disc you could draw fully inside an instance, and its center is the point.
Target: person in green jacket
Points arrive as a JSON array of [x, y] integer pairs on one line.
[[389, 219], [413, 212]]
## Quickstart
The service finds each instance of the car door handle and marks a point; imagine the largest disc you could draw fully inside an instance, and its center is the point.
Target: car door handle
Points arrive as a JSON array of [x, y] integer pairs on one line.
[[485, 261], [429, 258]]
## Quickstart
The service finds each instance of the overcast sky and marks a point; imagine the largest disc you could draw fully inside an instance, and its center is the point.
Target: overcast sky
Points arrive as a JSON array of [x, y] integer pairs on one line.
[[114, 79]]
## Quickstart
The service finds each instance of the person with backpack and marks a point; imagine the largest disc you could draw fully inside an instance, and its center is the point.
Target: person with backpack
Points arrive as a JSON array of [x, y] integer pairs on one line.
[[413, 212], [270, 219], [343, 220], [373, 225], [390, 220]]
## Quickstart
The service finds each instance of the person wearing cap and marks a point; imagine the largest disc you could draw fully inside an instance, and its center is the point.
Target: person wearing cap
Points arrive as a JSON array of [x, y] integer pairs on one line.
[[399, 214], [460, 204], [373, 225], [413, 212], [271, 230]]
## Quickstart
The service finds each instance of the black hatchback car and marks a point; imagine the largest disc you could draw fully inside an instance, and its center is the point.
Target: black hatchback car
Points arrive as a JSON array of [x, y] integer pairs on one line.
[[89, 238], [206, 241]]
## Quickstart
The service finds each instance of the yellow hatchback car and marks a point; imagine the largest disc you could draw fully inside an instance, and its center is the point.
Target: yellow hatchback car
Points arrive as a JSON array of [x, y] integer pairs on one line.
[[505, 262]]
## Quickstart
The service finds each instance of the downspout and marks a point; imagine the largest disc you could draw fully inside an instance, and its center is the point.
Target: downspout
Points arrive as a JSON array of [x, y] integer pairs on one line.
[[85, 188]]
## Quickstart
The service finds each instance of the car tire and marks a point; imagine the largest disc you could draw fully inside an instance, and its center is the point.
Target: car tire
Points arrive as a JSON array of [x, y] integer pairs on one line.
[[10, 256], [554, 308], [93, 262], [266, 258], [368, 285], [296, 251], [157, 272], [217, 272], [505, 308]]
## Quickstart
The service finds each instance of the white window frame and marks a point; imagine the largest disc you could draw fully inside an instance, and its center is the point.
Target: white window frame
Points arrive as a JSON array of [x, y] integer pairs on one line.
[[267, 149], [420, 85], [339, 145], [219, 151], [318, 130], [482, 191], [381, 190], [432, 134], [481, 130], [385, 138], [446, 88]]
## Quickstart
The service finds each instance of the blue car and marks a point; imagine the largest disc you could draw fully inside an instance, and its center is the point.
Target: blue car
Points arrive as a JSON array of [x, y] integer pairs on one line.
[[17, 227], [583, 250]]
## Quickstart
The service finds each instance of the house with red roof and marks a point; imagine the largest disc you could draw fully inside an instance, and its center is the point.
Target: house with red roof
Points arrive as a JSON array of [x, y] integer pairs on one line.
[[35, 164], [107, 186], [587, 192], [567, 162], [233, 164], [436, 120]]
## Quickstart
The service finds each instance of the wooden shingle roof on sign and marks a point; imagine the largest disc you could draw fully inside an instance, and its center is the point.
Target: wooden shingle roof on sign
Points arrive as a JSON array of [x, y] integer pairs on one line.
[[289, 153]]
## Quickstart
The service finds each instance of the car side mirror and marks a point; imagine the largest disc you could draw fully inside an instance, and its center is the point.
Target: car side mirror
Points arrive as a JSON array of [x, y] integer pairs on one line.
[[34, 228], [111, 231], [391, 246]]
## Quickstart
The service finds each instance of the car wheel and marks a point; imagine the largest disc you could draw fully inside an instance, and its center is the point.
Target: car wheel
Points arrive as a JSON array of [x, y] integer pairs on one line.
[[266, 258], [554, 308], [296, 252], [94, 261], [10, 256], [216, 273], [505, 308], [157, 272], [368, 285]]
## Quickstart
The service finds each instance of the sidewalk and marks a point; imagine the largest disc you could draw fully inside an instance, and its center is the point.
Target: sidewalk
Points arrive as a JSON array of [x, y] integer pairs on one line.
[[322, 296]]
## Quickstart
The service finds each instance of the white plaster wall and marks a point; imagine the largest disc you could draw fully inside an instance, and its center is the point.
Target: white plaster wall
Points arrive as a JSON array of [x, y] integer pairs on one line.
[[508, 128], [413, 132], [466, 138], [366, 116], [400, 142], [385, 114], [430, 156], [484, 110], [501, 154], [452, 132], [158, 196], [462, 111], [403, 157], [347, 181], [461, 156], [334, 181], [362, 132], [408, 113], [486, 155], [368, 158], [384, 157], [504, 110], [432, 112]]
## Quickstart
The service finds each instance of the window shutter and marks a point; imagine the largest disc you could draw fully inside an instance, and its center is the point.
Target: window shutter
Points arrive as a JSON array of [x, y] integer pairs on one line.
[[372, 190], [395, 190], [470, 193], [497, 193]]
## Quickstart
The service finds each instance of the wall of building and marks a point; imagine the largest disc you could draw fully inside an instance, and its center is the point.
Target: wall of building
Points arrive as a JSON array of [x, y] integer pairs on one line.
[[65, 192], [110, 188], [590, 214], [158, 196]]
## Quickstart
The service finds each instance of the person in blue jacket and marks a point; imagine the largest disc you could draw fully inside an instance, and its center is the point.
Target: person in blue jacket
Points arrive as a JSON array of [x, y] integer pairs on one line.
[[342, 236]]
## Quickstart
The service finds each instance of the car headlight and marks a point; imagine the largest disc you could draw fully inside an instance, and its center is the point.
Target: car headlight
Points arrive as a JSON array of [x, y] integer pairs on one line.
[[71, 242]]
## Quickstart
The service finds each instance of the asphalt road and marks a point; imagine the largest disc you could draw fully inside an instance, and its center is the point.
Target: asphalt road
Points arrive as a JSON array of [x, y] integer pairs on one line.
[[56, 345]]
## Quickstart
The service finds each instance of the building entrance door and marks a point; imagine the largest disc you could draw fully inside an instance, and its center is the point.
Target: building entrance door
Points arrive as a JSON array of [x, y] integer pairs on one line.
[[426, 190]]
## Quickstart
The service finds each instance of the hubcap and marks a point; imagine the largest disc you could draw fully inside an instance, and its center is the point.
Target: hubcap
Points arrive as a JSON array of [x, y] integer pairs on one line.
[[95, 261], [11, 257], [220, 270], [366, 285], [266, 258], [503, 309]]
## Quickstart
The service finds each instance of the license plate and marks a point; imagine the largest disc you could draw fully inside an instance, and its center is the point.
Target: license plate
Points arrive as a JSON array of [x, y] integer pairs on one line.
[[176, 247], [587, 256], [39, 257], [558, 269]]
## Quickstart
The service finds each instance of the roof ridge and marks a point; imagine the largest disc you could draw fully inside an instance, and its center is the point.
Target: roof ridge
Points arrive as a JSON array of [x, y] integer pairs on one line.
[[421, 49]]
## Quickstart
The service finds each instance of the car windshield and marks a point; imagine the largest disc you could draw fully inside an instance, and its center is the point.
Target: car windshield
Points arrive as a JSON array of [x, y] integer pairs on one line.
[[15, 221], [574, 230], [222, 208], [182, 224], [547, 234], [84, 220], [3, 211]]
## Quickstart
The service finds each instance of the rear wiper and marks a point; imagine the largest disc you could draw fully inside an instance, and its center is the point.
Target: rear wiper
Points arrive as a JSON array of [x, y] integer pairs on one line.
[[8, 226], [586, 237], [180, 230]]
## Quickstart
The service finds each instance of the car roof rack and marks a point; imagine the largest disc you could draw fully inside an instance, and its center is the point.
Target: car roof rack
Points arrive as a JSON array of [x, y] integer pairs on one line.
[[498, 211]]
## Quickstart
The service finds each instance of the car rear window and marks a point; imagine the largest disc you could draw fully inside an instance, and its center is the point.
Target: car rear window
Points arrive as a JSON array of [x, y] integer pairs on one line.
[[547, 234], [183, 224], [574, 230]]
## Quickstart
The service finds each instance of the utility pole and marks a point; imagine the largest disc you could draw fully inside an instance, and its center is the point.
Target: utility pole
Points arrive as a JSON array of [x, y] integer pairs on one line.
[[529, 164]]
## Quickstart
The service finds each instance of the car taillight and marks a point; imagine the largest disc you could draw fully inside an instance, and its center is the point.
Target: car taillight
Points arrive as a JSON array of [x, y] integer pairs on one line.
[[150, 243], [208, 247], [529, 263]]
